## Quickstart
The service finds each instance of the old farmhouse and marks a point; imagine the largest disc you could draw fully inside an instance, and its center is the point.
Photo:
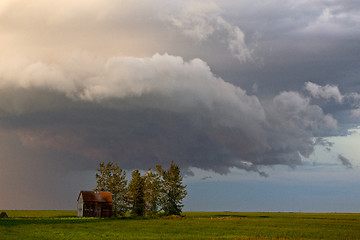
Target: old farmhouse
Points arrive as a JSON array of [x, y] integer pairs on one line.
[[95, 204]]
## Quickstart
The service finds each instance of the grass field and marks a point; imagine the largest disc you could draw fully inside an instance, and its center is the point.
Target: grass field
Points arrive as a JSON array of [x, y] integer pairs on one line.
[[195, 225]]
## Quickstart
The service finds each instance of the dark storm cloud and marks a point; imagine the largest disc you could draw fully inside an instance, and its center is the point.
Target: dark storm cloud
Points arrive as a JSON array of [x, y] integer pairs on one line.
[[143, 111], [299, 41], [246, 84], [111, 108]]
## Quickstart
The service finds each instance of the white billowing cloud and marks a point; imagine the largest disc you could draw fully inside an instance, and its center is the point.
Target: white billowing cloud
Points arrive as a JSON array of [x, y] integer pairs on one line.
[[332, 92], [41, 75], [185, 84], [201, 19], [181, 86], [326, 92]]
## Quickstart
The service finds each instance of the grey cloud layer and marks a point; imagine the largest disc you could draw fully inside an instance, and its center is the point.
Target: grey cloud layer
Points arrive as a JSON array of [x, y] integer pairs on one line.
[[62, 55], [246, 84], [161, 108]]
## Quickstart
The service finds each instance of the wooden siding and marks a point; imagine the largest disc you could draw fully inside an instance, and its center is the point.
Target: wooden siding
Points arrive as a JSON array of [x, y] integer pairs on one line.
[[94, 204]]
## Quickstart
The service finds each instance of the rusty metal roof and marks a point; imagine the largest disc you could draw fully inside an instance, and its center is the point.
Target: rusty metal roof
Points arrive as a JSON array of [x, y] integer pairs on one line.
[[91, 196]]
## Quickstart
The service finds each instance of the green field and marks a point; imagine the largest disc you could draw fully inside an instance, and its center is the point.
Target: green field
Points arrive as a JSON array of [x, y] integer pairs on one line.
[[195, 225]]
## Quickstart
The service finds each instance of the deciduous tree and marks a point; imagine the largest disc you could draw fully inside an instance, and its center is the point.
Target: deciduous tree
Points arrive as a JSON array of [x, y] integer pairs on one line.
[[152, 192], [110, 177]]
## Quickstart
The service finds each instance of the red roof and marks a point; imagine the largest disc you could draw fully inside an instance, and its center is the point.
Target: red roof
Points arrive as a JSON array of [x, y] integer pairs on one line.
[[91, 196]]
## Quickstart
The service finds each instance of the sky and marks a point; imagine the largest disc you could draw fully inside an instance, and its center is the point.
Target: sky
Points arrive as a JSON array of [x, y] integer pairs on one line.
[[257, 101]]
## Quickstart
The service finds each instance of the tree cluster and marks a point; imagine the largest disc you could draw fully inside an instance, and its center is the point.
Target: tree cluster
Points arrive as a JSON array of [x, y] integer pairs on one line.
[[146, 194]]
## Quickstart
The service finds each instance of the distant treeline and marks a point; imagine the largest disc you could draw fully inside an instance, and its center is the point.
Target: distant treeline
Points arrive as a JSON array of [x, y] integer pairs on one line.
[[146, 194]]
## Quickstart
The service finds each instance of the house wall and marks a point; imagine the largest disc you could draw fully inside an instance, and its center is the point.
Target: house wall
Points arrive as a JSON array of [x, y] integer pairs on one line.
[[106, 210], [93, 209], [80, 206]]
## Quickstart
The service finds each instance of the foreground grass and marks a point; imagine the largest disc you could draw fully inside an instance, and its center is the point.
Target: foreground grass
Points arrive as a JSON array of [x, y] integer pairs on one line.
[[196, 225], [40, 213]]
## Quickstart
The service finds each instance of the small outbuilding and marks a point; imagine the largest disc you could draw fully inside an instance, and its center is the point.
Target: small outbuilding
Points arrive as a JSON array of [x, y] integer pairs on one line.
[[95, 204], [3, 215]]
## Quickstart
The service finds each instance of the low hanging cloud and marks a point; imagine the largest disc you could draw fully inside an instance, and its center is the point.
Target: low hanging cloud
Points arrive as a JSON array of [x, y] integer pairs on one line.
[[142, 111], [346, 162]]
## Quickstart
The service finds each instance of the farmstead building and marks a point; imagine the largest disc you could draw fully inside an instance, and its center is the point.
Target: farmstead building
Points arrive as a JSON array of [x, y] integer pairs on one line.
[[95, 204]]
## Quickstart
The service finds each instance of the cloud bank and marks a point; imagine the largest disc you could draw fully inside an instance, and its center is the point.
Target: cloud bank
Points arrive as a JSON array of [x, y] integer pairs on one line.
[[140, 111], [147, 82]]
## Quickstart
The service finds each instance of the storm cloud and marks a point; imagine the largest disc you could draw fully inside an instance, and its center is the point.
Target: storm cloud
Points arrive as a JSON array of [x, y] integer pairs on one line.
[[214, 85], [140, 111]]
